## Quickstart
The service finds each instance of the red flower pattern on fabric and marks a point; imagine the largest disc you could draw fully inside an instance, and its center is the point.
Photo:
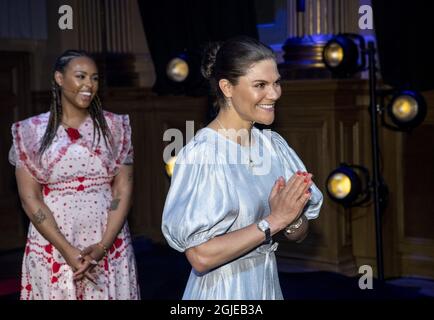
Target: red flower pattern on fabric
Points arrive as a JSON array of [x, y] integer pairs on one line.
[[36, 120], [46, 190], [49, 248], [116, 248], [73, 134], [23, 156], [118, 242], [56, 267]]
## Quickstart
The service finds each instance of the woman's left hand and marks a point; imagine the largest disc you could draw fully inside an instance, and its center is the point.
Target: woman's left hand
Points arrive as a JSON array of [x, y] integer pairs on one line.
[[91, 256]]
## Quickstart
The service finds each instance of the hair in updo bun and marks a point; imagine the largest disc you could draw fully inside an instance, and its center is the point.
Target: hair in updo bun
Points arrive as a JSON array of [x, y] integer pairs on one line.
[[208, 60], [230, 60]]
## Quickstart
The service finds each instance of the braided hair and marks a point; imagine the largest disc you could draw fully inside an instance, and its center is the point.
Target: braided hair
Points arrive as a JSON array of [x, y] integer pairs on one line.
[[95, 109]]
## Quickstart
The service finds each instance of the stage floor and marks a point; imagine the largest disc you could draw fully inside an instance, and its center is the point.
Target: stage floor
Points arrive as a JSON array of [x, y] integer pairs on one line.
[[163, 273]]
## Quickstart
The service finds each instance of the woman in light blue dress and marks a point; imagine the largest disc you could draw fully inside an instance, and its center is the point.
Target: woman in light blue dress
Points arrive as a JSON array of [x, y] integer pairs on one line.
[[234, 186]]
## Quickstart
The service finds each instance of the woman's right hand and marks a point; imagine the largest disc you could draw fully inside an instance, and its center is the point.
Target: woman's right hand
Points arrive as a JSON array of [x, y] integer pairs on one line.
[[75, 260], [287, 200]]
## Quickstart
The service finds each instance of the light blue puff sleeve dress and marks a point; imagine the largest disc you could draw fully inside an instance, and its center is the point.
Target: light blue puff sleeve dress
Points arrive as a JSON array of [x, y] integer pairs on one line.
[[219, 186]]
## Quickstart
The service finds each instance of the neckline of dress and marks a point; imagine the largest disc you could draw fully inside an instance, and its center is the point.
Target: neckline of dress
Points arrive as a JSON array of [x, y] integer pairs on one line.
[[233, 142], [66, 127]]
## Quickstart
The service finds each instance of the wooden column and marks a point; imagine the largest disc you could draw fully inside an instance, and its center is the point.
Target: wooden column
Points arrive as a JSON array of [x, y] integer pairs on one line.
[[323, 17]]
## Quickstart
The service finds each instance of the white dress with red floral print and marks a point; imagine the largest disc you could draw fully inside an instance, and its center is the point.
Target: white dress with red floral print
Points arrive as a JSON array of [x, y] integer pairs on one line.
[[76, 174]]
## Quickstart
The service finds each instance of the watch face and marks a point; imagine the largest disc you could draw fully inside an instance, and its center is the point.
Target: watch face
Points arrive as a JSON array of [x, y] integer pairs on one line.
[[263, 225]]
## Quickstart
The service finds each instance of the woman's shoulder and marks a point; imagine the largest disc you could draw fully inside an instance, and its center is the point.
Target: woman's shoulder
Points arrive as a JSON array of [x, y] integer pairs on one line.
[[277, 142], [34, 121], [31, 128], [200, 149], [272, 137], [269, 134], [115, 118]]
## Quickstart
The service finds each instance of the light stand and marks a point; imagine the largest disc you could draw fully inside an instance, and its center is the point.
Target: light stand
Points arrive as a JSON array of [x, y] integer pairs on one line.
[[376, 180]]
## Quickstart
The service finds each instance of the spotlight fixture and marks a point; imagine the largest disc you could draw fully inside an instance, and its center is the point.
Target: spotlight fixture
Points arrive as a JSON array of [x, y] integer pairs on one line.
[[177, 69], [183, 76], [349, 185], [407, 110], [344, 55], [170, 165]]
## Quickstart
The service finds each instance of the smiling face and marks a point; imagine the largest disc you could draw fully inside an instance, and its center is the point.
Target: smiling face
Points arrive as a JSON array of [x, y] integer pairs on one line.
[[255, 94], [78, 82]]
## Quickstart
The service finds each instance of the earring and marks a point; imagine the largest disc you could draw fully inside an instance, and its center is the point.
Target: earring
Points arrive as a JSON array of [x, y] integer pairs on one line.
[[229, 102]]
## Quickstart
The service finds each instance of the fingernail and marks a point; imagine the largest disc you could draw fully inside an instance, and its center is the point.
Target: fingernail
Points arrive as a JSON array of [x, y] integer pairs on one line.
[[298, 173], [79, 257], [305, 173]]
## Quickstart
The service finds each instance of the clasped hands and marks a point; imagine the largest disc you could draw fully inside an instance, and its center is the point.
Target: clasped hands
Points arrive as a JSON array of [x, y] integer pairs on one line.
[[84, 261], [287, 201]]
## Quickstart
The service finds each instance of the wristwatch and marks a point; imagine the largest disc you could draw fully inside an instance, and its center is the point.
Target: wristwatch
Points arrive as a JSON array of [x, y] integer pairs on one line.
[[264, 226]]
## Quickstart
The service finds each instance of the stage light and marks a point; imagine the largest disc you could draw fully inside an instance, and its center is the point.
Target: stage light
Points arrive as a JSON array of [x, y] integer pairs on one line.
[[183, 76], [333, 54], [344, 55], [339, 185], [170, 165], [177, 69], [407, 110], [348, 185]]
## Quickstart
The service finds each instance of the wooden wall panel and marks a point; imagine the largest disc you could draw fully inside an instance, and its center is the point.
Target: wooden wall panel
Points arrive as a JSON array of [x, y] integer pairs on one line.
[[415, 206], [150, 116], [321, 122], [14, 105]]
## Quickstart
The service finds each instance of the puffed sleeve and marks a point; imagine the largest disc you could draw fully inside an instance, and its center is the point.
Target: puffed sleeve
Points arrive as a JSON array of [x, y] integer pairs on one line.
[[202, 202], [291, 163], [122, 147], [129, 159], [126, 150], [25, 144], [127, 154], [18, 148], [13, 157]]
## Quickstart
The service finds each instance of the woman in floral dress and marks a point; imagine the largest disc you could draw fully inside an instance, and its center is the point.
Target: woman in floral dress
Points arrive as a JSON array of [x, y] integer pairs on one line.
[[74, 175]]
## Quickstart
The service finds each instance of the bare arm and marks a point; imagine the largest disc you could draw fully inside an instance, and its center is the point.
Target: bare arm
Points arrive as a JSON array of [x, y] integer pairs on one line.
[[121, 190], [229, 246], [30, 192], [286, 202]]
